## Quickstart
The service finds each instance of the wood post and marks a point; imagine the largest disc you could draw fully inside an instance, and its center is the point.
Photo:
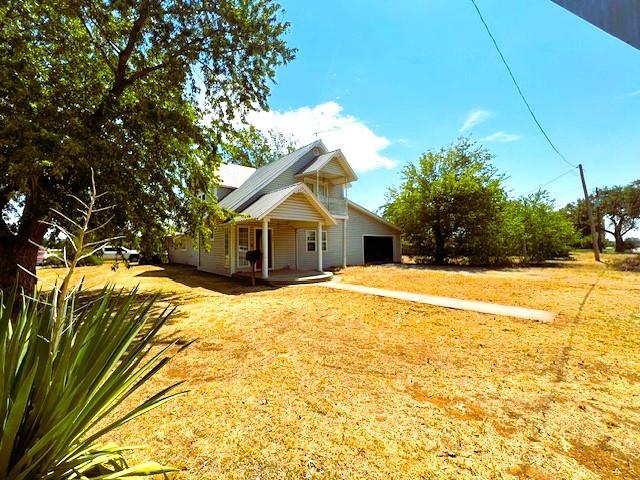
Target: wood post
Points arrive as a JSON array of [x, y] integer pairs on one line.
[[592, 224], [319, 245]]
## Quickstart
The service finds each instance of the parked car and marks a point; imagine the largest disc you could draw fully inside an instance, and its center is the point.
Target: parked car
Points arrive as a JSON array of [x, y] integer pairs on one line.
[[109, 252], [42, 254]]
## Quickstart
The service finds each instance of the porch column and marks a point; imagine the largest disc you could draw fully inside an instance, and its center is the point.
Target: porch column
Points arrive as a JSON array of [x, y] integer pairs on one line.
[[265, 248], [319, 245], [344, 243]]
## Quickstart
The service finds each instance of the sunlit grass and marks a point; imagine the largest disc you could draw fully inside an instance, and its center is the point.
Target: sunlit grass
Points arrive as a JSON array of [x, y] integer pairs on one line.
[[308, 382]]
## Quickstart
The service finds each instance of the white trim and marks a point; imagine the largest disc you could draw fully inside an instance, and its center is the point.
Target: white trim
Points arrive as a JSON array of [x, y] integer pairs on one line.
[[337, 155], [393, 244], [325, 234], [239, 261], [351, 203], [255, 242]]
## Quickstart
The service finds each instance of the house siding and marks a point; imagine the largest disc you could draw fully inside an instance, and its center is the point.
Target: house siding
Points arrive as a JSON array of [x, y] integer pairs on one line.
[[213, 260], [185, 256], [332, 257], [360, 224], [296, 207], [334, 168], [284, 246]]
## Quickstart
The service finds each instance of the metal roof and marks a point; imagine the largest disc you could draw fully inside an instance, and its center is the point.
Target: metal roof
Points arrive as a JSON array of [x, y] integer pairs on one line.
[[232, 176], [268, 202], [262, 176], [325, 158]]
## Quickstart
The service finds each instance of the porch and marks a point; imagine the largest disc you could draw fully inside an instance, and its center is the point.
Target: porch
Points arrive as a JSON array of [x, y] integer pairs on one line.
[[286, 277], [288, 228]]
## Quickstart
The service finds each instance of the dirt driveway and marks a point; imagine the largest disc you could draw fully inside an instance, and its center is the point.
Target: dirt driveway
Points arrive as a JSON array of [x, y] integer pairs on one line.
[[314, 383]]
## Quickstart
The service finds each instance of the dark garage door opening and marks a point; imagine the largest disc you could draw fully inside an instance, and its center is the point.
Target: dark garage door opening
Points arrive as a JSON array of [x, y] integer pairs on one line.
[[378, 249]]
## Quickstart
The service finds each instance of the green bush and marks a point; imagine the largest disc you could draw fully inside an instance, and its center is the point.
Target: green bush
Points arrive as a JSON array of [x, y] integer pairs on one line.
[[67, 364], [52, 261], [91, 261]]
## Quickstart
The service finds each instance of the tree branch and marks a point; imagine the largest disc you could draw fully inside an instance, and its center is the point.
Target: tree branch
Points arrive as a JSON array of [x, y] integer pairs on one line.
[[144, 72]]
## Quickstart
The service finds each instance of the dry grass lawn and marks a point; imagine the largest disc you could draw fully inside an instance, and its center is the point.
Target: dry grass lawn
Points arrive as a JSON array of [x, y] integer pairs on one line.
[[308, 382]]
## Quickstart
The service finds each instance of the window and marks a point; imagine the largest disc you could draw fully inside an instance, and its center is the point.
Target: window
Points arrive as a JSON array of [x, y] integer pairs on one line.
[[324, 190], [312, 186], [226, 247], [311, 240]]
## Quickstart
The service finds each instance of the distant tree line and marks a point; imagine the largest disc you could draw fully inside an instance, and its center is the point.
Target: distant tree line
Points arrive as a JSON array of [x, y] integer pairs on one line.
[[453, 207]]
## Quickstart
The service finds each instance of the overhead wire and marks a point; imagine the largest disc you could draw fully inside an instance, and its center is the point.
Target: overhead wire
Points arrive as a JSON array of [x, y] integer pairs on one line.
[[520, 92]]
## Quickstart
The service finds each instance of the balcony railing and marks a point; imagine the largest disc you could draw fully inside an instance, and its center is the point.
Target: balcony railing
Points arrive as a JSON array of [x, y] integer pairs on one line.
[[336, 206]]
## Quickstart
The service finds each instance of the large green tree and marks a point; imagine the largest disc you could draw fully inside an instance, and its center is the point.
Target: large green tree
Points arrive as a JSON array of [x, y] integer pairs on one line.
[[251, 147], [122, 87], [620, 207], [448, 203]]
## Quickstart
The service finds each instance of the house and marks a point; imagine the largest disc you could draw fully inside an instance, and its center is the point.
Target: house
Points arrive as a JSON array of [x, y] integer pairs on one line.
[[301, 201]]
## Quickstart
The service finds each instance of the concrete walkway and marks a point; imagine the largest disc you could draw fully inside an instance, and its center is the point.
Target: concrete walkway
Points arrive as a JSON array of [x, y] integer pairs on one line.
[[471, 305]]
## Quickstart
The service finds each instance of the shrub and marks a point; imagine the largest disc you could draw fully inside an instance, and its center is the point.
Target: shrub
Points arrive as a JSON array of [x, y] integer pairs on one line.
[[91, 261], [52, 261], [63, 376]]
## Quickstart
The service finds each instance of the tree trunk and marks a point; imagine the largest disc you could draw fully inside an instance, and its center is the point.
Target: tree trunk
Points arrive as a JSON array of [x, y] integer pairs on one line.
[[17, 250], [617, 235]]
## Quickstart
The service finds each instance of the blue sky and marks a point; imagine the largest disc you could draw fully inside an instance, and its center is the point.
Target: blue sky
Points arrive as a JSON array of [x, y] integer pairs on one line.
[[394, 79]]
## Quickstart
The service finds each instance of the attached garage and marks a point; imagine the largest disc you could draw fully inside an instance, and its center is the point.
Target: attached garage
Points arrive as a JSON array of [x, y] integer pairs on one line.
[[370, 238], [377, 248]]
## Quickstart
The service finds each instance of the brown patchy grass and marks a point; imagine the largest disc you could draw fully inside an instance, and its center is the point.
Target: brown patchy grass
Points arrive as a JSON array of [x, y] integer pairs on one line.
[[309, 382]]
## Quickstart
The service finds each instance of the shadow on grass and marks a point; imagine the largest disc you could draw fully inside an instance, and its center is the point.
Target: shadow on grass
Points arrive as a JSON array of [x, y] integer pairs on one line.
[[190, 277]]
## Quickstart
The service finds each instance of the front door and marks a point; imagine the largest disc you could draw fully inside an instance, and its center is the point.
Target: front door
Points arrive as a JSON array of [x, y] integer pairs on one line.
[[259, 247]]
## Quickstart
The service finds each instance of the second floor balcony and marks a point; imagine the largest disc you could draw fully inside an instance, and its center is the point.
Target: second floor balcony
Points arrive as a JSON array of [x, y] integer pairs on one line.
[[336, 206]]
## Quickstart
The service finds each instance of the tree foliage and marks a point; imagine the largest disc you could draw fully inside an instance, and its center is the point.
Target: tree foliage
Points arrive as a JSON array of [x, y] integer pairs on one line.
[[448, 201], [620, 207], [252, 147], [123, 88], [452, 205]]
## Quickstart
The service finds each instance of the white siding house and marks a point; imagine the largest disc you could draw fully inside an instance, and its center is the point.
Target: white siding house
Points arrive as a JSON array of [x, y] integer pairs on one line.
[[301, 201]]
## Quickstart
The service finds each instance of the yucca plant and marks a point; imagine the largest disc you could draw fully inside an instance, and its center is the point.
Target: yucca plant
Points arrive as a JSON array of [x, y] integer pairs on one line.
[[68, 361]]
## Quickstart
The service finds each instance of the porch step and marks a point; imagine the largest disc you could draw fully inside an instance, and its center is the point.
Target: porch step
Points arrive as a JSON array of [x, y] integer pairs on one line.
[[282, 278]]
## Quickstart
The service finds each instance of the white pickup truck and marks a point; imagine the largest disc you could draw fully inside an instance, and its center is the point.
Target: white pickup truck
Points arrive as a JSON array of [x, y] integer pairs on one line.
[[109, 252]]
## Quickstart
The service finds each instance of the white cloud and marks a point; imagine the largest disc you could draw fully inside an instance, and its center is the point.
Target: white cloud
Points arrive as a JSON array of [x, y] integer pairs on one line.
[[501, 137], [474, 118], [326, 121], [634, 94]]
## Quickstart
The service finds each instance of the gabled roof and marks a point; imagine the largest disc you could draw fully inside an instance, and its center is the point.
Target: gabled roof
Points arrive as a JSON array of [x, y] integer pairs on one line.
[[232, 176], [325, 158], [270, 201], [372, 215], [262, 176]]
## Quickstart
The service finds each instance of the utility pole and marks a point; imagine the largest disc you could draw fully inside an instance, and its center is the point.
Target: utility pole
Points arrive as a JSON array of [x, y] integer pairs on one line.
[[594, 234]]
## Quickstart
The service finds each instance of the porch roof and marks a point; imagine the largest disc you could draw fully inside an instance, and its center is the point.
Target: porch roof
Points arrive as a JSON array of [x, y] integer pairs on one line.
[[266, 204]]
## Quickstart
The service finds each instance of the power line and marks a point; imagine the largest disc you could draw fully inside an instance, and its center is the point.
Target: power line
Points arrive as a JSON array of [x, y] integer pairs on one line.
[[515, 82], [572, 170]]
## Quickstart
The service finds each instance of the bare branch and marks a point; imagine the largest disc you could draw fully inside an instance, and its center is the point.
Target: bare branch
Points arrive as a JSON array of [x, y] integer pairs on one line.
[[104, 241], [76, 198], [65, 217]]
